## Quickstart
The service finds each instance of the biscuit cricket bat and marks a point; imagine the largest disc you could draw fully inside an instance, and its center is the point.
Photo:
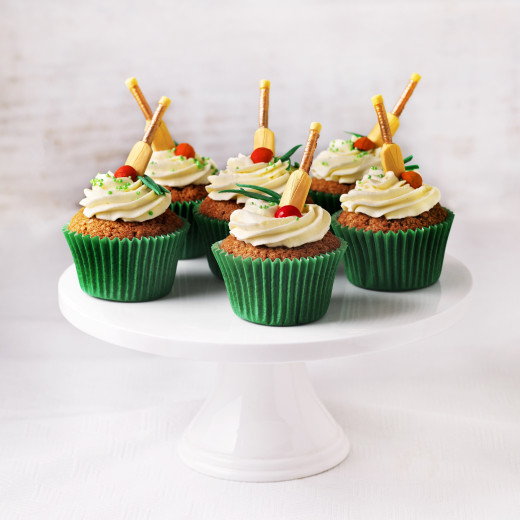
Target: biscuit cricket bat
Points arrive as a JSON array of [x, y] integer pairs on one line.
[[162, 140], [391, 156], [140, 155], [297, 188], [393, 117], [264, 138]]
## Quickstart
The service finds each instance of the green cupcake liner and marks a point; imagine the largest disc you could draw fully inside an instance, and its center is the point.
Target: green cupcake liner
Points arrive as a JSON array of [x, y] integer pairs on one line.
[[279, 293], [126, 270], [212, 230], [328, 201], [194, 244], [393, 261]]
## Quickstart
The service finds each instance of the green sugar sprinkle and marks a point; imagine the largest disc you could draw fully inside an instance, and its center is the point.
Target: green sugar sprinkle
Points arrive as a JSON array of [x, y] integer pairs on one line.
[[150, 213], [370, 176], [324, 163], [381, 175], [110, 193], [373, 167], [138, 193]]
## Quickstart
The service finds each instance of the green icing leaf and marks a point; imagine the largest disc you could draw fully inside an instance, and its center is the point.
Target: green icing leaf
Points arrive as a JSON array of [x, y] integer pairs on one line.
[[273, 194], [354, 134], [288, 154], [150, 183], [267, 195], [408, 159], [411, 167], [250, 194]]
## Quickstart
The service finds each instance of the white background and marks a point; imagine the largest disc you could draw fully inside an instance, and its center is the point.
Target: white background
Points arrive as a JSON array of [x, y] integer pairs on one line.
[[88, 430]]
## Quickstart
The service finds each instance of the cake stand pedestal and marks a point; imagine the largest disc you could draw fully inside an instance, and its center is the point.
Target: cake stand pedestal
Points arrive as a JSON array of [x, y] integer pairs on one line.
[[263, 421]]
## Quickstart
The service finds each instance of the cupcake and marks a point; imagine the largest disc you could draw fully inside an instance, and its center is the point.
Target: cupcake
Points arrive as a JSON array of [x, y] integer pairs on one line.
[[279, 260], [261, 168], [394, 225], [126, 240], [181, 170], [336, 170]]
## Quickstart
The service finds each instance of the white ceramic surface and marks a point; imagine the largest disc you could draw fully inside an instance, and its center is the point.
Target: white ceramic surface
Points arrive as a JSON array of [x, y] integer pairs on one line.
[[263, 421], [196, 321]]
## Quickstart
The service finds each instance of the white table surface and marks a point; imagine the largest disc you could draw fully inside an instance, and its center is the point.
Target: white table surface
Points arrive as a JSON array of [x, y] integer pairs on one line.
[[88, 430]]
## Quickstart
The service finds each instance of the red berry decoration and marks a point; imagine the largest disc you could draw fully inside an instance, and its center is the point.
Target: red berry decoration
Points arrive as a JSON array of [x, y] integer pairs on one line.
[[287, 211], [365, 144], [126, 171], [261, 155], [186, 150]]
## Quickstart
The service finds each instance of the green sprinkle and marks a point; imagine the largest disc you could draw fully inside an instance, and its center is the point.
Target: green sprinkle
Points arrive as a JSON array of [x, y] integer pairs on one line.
[[381, 175], [138, 193], [324, 163], [373, 167], [153, 173], [370, 176], [110, 193], [150, 213]]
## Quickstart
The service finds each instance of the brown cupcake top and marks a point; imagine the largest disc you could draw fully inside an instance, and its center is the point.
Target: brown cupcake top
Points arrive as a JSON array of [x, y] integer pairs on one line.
[[219, 209], [330, 186], [239, 248], [191, 192], [435, 215], [166, 223]]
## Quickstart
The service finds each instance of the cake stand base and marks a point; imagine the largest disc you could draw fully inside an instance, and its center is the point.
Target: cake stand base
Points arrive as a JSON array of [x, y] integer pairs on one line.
[[263, 423]]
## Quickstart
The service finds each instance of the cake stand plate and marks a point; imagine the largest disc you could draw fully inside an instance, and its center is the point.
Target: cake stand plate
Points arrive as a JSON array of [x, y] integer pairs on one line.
[[263, 421]]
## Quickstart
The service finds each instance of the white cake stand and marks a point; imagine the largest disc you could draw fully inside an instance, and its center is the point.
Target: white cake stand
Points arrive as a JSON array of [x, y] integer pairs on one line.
[[263, 421]]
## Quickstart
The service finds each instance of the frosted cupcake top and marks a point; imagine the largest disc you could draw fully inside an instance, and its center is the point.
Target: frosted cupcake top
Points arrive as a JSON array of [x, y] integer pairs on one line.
[[344, 163], [383, 194], [256, 224], [122, 198], [177, 171], [242, 170]]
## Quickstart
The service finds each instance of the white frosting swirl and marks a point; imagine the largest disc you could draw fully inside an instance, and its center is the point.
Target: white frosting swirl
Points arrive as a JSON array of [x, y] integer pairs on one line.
[[111, 198], [168, 169], [242, 170], [382, 193], [257, 225], [343, 163]]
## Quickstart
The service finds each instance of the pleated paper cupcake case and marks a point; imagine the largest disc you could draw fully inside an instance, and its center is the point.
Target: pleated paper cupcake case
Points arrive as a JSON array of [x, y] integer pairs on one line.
[[279, 292], [328, 201], [194, 245], [126, 270], [393, 261], [212, 230]]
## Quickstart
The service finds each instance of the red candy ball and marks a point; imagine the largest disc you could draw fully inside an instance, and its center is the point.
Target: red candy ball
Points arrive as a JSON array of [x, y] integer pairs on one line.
[[261, 155], [287, 211], [186, 150], [126, 171]]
